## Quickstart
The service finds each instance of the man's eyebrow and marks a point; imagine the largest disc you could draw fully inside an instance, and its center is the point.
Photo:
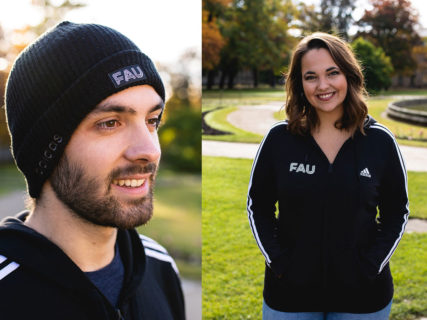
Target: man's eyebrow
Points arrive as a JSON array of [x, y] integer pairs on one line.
[[105, 108], [161, 105]]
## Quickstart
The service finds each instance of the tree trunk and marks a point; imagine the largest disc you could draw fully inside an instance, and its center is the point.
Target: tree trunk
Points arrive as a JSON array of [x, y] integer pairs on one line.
[[230, 83], [255, 77], [222, 79], [211, 79], [272, 79]]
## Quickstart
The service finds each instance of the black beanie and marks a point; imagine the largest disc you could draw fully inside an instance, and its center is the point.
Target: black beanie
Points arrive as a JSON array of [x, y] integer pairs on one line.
[[57, 80]]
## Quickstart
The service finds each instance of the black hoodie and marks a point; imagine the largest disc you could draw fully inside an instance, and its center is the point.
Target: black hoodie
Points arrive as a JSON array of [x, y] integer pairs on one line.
[[327, 250], [39, 281]]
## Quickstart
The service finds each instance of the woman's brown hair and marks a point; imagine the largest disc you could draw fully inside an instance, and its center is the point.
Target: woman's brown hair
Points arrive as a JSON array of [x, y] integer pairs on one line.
[[302, 117]]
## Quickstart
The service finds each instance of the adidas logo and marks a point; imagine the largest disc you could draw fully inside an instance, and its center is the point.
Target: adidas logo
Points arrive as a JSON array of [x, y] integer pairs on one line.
[[365, 173]]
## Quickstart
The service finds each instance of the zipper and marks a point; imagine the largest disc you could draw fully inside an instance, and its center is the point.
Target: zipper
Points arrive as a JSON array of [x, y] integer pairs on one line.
[[119, 315], [325, 233]]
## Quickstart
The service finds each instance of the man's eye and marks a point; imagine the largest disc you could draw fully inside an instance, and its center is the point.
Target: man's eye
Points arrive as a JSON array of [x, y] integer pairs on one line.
[[155, 122], [109, 124]]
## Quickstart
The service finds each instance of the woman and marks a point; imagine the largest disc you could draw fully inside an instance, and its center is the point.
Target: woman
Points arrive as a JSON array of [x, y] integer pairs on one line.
[[329, 167]]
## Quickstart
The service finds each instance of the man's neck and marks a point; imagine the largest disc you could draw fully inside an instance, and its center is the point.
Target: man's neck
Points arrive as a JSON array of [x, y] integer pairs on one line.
[[89, 246]]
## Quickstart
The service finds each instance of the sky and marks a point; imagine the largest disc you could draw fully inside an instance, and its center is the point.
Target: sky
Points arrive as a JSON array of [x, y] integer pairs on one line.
[[163, 29]]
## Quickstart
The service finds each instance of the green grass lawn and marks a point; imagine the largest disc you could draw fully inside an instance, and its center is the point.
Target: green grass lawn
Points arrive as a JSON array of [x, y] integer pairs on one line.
[[233, 267], [176, 222], [229, 100]]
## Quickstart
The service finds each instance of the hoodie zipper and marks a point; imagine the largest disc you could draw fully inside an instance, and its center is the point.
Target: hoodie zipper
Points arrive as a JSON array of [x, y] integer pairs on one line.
[[119, 315]]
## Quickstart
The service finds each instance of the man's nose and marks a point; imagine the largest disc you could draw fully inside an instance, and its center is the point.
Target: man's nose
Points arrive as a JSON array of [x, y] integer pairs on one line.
[[143, 145]]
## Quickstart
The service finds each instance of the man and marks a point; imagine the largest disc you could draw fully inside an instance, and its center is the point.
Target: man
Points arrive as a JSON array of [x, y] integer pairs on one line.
[[83, 106]]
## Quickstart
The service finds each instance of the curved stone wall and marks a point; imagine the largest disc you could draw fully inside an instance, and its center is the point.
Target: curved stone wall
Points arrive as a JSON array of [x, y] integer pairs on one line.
[[404, 111]]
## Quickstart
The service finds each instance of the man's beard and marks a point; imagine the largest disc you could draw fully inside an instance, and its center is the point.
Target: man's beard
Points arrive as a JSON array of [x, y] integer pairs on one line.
[[90, 200]]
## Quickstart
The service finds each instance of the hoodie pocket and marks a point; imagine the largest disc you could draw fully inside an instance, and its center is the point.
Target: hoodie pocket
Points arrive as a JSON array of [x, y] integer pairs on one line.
[[346, 269]]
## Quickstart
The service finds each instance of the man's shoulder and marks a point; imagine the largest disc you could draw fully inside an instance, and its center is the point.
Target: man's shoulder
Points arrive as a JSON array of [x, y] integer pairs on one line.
[[7, 267], [156, 252]]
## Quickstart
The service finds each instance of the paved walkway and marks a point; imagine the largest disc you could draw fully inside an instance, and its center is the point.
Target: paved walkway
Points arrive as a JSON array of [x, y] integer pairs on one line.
[[257, 119], [12, 203]]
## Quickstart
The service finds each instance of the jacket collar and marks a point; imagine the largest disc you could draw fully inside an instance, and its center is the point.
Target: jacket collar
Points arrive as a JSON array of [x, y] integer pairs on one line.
[[35, 252]]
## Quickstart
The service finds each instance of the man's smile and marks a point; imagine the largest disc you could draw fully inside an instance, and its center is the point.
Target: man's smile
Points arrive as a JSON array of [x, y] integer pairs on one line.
[[129, 182]]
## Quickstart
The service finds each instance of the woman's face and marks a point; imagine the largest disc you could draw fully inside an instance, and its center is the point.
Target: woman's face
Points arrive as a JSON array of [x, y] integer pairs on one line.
[[324, 84]]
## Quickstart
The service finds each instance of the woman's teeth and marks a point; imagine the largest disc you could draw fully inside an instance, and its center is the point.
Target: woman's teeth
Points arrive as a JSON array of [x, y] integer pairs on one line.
[[326, 95]]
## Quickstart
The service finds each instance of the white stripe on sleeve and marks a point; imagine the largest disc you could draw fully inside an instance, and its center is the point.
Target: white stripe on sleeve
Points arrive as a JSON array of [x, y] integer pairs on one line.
[[162, 257], [249, 201], [406, 215], [8, 269]]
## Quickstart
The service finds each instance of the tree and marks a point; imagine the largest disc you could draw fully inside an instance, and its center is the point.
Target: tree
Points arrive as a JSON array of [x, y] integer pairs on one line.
[[377, 67], [336, 16], [333, 16], [309, 19], [213, 40], [257, 38], [390, 24]]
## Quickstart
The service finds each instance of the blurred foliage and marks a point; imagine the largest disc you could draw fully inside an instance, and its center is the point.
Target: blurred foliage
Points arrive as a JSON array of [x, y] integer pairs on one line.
[[253, 39], [53, 12], [336, 16], [213, 41], [377, 67], [391, 25], [4, 133], [180, 137], [332, 16], [255, 33], [180, 133]]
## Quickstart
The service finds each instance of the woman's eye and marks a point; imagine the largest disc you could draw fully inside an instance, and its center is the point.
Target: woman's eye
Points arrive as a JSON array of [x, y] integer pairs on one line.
[[334, 73], [309, 78]]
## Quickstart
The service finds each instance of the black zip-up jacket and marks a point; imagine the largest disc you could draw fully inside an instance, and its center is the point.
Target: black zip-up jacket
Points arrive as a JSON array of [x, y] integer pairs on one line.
[[327, 250], [39, 281]]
